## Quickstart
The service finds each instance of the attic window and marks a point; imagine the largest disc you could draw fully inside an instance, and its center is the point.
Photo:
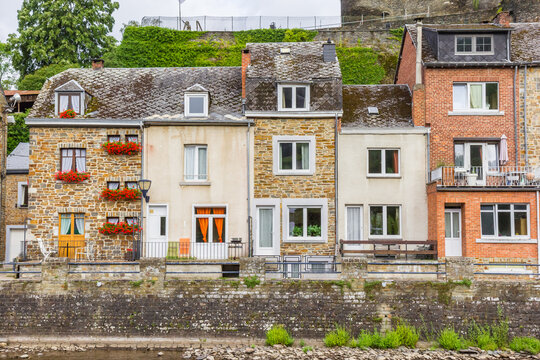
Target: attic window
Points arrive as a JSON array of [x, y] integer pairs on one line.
[[293, 98], [373, 110], [68, 101], [474, 44], [196, 105], [70, 96]]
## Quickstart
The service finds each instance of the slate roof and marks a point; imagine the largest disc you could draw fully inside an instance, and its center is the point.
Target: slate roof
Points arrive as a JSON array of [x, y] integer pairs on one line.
[[17, 161], [304, 63], [525, 39], [146, 93], [392, 101]]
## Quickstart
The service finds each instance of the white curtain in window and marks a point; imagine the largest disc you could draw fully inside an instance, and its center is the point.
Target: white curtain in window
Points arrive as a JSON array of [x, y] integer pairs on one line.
[[476, 96], [130, 220], [305, 156], [79, 226], [80, 160], [65, 224], [354, 222], [202, 163], [265, 227], [67, 159], [460, 96], [131, 185], [64, 100], [190, 162], [75, 101], [114, 186]]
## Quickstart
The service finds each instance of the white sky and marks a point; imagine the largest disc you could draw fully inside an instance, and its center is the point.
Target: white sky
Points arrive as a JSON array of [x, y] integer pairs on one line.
[[136, 9]]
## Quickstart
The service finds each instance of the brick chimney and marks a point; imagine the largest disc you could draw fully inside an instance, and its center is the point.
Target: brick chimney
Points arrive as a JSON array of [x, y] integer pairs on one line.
[[97, 64], [246, 61], [504, 18], [419, 90]]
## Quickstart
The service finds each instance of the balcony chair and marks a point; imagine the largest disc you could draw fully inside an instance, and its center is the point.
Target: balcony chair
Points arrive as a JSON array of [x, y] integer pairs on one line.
[[85, 252], [44, 251]]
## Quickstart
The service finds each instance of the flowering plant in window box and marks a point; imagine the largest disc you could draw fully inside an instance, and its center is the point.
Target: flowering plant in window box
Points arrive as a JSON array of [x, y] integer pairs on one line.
[[119, 228], [68, 114], [124, 194], [120, 148], [71, 176]]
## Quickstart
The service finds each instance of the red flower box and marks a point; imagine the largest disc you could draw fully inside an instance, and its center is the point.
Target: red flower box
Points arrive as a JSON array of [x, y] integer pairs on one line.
[[71, 176], [120, 148], [68, 114], [122, 228], [119, 195]]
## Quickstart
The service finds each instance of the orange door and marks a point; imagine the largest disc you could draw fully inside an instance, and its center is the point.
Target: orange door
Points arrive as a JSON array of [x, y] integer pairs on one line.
[[71, 234]]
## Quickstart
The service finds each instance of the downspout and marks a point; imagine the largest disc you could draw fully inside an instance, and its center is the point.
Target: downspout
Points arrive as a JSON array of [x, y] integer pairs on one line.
[[516, 135], [428, 169], [248, 145], [537, 227], [142, 225], [336, 170], [525, 114]]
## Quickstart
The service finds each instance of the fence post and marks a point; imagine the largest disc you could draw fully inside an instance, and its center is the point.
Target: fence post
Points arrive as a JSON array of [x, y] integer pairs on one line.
[[353, 268], [232, 23], [287, 22], [260, 22], [55, 270], [205, 23], [252, 266], [459, 268], [153, 269]]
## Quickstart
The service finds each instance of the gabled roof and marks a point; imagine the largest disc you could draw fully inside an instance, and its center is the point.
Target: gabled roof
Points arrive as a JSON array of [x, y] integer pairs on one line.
[[143, 93], [302, 61], [196, 88], [17, 162], [71, 85], [392, 101]]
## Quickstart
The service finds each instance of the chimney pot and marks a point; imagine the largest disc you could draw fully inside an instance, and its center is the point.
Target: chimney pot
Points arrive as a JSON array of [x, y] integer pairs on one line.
[[97, 64]]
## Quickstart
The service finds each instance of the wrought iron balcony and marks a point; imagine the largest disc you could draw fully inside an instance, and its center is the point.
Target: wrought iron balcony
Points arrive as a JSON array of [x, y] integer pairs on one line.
[[487, 176]]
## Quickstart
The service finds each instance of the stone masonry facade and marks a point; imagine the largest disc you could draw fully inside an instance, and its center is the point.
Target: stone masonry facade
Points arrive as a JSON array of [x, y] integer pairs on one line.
[[14, 214], [533, 116], [319, 185], [48, 197]]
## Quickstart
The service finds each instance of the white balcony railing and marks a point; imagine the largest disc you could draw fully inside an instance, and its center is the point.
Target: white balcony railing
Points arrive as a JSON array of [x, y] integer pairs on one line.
[[486, 176]]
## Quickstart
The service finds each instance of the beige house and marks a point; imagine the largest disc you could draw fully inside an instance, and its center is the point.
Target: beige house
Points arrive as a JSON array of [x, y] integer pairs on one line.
[[382, 168]]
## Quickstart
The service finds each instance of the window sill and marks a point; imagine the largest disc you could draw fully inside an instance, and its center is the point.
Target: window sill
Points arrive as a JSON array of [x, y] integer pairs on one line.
[[195, 183], [294, 173], [384, 176], [506, 240], [476, 113], [383, 237], [304, 240]]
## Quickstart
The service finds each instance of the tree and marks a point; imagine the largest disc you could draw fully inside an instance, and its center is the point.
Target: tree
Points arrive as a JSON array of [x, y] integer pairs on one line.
[[51, 31], [18, 132], [36, 80], [7, 78]]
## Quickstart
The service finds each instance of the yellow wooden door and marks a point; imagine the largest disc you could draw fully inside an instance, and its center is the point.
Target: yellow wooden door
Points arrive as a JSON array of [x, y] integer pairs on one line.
[[71, 234]]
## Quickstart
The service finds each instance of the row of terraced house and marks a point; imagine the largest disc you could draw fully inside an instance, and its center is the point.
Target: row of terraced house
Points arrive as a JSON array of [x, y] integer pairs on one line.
[[278, 158]]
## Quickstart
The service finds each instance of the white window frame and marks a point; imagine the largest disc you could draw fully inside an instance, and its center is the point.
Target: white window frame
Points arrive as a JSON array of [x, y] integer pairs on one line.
[[197, 177], [276, 140], [273, 204], [385, 222], [187, 112], [512, 226], [383, 164], [294, 87], [210, 233], [20, 194], [305, 203], [484, 108], [82, 100], [473, 47]]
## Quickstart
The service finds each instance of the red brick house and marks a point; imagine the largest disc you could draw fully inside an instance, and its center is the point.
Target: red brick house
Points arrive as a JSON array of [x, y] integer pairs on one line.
[[481, 203]]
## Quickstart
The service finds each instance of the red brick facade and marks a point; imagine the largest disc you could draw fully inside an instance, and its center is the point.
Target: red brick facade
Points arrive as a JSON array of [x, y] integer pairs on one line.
[[406, 73]]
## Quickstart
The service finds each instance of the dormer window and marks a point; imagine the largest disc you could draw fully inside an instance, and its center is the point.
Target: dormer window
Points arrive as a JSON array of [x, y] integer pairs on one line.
[[474, 44], [196, 105], [69, 101], [70, 96], [293, 97]]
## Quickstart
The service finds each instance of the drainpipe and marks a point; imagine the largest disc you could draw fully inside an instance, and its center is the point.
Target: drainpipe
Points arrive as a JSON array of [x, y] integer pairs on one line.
[[336, 169], [516, 138], [141, 223], [525, 114], [248, 190], [428, 169], [537, 227], [419, 52]]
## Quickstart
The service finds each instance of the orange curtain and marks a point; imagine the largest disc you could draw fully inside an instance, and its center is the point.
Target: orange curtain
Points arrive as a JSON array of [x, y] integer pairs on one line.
[[203, 222], [396, 162], [219, 222]]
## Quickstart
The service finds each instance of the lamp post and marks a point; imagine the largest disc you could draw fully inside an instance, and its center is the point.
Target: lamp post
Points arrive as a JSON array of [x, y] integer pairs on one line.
[[144, 185]]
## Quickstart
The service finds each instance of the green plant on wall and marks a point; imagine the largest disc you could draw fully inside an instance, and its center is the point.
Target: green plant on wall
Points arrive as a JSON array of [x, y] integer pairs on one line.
[[314, 230], [298, 231]]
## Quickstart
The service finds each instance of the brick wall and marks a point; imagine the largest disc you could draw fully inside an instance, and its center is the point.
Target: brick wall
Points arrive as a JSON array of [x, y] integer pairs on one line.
[[230, 309], [48, 197], [470, 202], [444, 128], [318, 185], [407, 66]]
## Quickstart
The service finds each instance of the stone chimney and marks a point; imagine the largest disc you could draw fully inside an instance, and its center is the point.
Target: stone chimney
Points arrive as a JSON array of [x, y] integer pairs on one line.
[[419, 91], [97, 64], [246, 61], [329, 51], [419, 51], [504, 18]]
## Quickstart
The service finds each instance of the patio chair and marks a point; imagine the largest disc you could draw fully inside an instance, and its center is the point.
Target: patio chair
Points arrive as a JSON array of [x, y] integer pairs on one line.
[[85, 252], [46, 252]]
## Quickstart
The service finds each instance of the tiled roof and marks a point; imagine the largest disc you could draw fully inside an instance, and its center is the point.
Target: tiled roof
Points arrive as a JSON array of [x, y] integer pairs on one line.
[[21, 92], [18, 159], [303, 63], [392, 101], [143, 93], [525, 39]]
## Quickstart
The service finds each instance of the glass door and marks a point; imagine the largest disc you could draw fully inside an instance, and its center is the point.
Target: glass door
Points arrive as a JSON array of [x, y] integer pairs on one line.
[[452, 229], [266, 241]]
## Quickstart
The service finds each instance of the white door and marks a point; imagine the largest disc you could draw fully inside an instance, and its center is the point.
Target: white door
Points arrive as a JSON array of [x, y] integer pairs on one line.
[[14, 244], [452, 237], [266, 242], [480, 159], [355, 228], [156, 235]]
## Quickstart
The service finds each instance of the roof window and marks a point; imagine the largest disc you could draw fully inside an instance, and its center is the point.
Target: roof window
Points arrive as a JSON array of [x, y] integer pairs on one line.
[[373, 110]]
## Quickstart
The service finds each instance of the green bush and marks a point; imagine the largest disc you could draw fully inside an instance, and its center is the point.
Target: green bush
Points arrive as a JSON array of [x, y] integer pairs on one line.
[[252, 281], [528, 344], [391, 340], [486, 342], [450, 340], [337, 337], [365, 340], [500, 333], [278, 335], [408, 336]]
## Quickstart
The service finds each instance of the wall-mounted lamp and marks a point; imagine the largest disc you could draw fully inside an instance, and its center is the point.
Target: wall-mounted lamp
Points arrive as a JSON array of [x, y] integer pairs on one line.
[[144, 186]]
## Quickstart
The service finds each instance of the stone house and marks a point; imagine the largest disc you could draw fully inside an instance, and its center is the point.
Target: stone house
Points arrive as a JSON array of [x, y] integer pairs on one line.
[[293, 94], [382, 169], [16, 210], [481, 202]]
